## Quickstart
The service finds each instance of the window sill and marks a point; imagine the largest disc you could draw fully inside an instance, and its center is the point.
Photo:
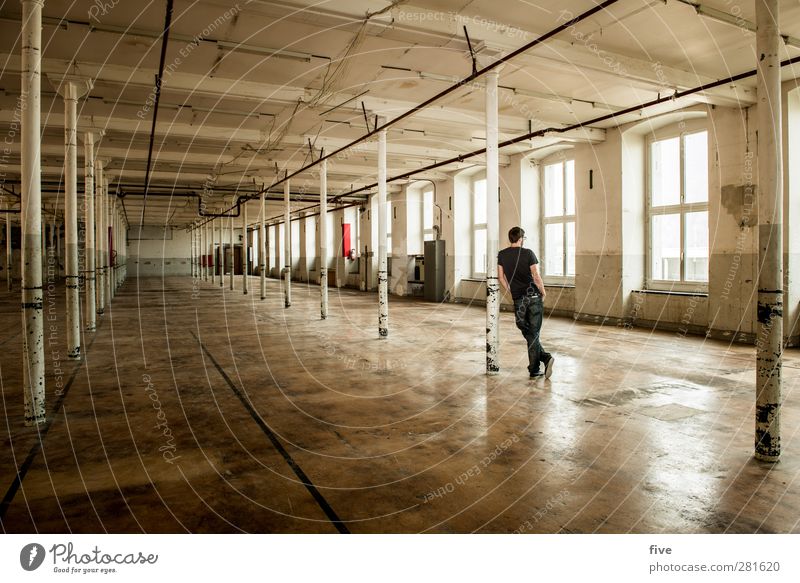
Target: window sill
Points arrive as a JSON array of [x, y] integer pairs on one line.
[[554, 285], [671, 293]]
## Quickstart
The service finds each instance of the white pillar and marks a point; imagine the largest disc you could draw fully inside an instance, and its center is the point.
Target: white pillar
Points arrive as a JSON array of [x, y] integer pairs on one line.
[[109, 238], [769, 345], [201, 240], [230, 221], [287, 246], [323, 239], [9, 258], [115, 237], [123, 247], [71, 91], [383, 280], [59, 249], [89, 245], [52, 244], [205, 240], [492, 225], [123, 232], [115, 227], [245, 247], [31, 205], [109, 245], [204, 250], [44, 247], [100, 286], [262, 247], [213, 224], [221, 258]]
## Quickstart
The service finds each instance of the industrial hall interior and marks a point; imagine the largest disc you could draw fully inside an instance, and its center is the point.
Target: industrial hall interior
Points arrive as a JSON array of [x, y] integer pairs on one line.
[[410, 266]]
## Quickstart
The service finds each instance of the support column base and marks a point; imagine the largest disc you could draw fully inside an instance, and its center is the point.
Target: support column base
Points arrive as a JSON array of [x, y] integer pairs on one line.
[[773, 459]]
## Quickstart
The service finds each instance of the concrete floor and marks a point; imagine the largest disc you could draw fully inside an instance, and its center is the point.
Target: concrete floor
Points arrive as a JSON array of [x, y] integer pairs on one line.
[[636, 431]]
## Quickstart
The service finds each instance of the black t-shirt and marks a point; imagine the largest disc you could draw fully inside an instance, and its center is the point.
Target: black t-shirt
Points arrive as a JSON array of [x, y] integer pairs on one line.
[[516, 263]]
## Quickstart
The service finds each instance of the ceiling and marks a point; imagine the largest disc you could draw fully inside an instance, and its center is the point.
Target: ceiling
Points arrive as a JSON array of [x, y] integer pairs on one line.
[[248, 86]]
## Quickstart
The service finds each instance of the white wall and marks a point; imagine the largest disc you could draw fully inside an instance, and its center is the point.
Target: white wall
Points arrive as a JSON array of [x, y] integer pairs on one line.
[[160, 257]]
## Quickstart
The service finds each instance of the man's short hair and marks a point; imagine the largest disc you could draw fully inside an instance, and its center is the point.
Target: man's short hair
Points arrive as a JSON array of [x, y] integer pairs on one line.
[[515, 234]]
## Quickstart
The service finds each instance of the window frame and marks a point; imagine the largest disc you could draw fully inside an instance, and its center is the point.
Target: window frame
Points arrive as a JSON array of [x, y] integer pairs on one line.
[[682, 208], [425, 231], [563, 219], [473, 226]]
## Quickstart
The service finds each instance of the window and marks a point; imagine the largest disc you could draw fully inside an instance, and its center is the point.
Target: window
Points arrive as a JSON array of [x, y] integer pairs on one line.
[[678, 212], [271, 248], [558, 222], [479, 228], [254, 251], [427, 215]]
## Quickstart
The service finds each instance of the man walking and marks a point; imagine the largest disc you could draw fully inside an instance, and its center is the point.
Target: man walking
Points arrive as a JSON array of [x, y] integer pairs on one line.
[[518, 272]]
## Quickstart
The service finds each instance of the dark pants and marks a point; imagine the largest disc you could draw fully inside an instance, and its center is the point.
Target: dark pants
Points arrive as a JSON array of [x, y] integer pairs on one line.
[[529, 311]]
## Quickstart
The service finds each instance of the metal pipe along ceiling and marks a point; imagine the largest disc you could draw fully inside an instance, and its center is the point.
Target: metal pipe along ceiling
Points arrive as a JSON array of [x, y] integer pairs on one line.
[[156, 96], [380, 127], [542, 132]]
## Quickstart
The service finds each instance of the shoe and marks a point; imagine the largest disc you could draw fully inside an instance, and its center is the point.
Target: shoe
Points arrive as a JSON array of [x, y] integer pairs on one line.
[[548, 367], [537, 374]]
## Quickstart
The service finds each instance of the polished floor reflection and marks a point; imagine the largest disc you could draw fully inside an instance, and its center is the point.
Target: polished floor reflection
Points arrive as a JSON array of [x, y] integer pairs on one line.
[[198, 409]]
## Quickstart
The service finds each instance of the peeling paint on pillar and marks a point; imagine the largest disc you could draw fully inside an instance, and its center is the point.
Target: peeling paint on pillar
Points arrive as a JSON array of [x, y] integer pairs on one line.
[[383, 280], [210, 251], [769, 344], [245, 248], [100, 284], [31, 215], [287, 246], [492, 324], [9, 280], [70, 91], [33, 343], [323, 240], [766, 311], [221, 258], [383, 304], [769, 374], [230, 222], [768, 442], [90, 313], [492, 223], [262, 248], [323, 301]]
